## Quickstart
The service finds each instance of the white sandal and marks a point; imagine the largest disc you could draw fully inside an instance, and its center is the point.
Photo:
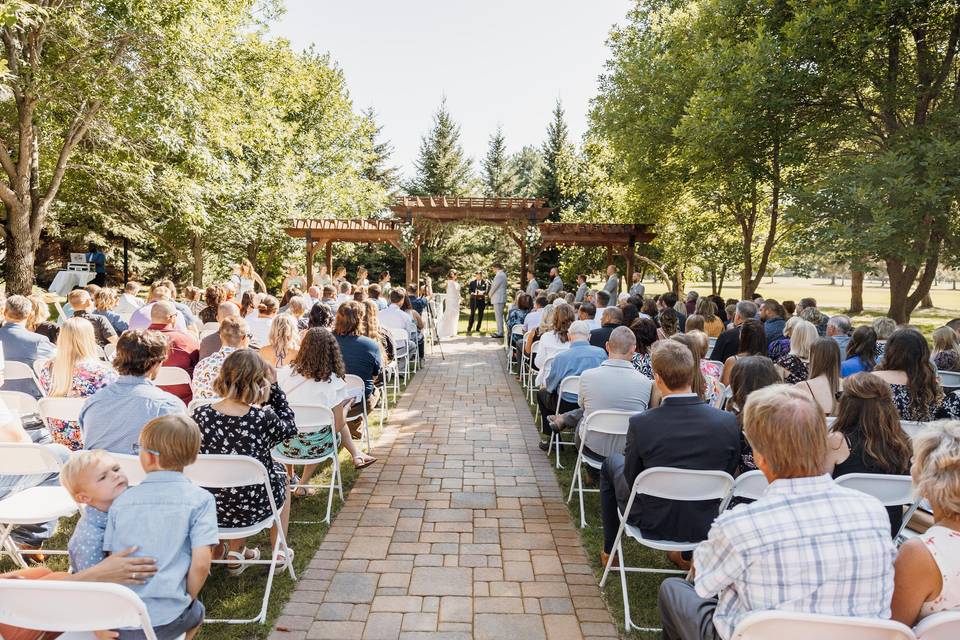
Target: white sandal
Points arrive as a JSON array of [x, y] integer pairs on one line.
[[242, 558], [284, 559]]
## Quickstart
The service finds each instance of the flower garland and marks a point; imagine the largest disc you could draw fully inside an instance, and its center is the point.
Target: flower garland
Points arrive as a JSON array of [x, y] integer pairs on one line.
[[408, 237], [532, 237]]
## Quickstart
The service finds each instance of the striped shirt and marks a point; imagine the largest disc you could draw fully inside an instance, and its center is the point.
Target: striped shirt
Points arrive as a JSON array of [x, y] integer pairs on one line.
[[806, 546]]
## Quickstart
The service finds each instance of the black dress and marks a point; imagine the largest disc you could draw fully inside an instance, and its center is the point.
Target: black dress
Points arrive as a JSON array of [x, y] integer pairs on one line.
[[795, 367], [253, 434], [860, 462]]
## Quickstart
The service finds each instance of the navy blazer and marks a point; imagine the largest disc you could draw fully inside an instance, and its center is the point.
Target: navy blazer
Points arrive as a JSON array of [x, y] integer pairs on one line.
[[685, 433]]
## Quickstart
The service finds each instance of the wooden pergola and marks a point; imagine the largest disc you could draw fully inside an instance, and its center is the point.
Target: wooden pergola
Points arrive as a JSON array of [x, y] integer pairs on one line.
[[514, 215]]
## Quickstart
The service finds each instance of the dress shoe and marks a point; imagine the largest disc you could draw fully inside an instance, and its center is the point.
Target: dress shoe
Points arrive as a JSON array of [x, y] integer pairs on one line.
[[497, 335], [31, 558], [605, 557], [676, 557]]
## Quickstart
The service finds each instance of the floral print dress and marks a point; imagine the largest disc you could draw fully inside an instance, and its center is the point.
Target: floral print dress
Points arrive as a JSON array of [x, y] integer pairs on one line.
[[253, 434], [908, 409], [89, 376], [795, 367], [643, 364]]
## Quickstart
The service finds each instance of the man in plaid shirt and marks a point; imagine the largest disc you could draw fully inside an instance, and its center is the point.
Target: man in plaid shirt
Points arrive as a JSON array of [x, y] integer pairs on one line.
[[806, 546]]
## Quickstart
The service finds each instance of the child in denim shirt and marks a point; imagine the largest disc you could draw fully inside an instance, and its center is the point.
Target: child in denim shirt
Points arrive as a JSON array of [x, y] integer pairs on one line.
[[170, 519]]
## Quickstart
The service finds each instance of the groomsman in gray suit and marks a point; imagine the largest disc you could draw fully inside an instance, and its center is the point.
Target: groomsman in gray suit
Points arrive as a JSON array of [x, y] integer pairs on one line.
[[532, 285], [556, 284], [498, 296], [613, 282], [637, 288], [581, 288]]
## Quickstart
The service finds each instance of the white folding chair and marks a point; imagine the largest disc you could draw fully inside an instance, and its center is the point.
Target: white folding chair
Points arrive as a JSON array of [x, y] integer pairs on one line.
[[311, 419], [78, 608], [401, 350], [606, 422], [939, 626], [102, 353], [683, 485], [788, 625], [711, 343], [912, 427], [949, 379], [526, 361], [750, 485], [32, 505], [110, 350], [531, 369], [22, 404], [169, 376], [892, 491], [13, 370], [131, 467], [200, 402], [214, 471], [209, 328], [359, 390], [721, 398], [66, 409], [570, 384], [39, 366], [516, 331]]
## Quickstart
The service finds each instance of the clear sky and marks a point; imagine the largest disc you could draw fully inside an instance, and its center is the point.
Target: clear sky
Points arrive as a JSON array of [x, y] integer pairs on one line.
[[496, 61]]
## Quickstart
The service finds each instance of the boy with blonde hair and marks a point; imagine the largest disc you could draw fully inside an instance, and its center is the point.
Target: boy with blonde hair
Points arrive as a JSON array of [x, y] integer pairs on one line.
[[94, 480], [170, 519]]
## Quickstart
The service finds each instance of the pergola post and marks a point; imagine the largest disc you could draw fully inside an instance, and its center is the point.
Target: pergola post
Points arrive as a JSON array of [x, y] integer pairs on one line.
[[630, 258], [523, 262], [310, 249], [416, 267], [408, 267], [328, 259], [609, 255]]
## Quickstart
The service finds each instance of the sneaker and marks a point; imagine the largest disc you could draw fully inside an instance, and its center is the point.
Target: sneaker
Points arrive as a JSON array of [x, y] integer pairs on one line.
[[544, 445]]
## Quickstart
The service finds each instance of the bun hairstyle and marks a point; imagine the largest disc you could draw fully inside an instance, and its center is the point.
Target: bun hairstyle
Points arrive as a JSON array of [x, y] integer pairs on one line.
[[244, 377], [268, 305]]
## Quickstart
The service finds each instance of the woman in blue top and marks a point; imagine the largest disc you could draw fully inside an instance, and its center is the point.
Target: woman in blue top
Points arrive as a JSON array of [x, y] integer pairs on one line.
[[861, 352], [362, 356]]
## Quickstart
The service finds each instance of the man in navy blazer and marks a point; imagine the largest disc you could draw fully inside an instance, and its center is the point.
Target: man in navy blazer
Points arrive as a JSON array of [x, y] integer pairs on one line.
[[683, 432], [20, 344]]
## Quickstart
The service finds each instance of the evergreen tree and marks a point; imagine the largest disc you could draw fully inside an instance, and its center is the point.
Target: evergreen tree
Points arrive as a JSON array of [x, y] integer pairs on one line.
[[499, 173], [442, 168], [527, 166], [378, 168], [553, 147]]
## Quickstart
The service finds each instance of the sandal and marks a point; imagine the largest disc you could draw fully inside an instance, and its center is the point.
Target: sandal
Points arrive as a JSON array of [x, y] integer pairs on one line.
[[304, 492], [364, 462], [284, 559], [240, 557]]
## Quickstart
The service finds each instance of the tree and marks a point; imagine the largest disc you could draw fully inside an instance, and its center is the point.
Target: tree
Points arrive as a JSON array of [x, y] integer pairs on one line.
[[528, 165], [379, 169], [552, 151], [499, 174], [442, 168]]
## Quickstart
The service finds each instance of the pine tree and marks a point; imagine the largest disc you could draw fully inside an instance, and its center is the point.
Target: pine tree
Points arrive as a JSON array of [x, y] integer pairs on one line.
[[499, 173], [555, 145], [527, 166], [442, 168], [377, 167]]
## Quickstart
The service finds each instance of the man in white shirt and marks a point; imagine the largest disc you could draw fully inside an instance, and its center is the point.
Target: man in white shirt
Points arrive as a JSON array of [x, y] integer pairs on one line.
[[129, 302], [603, 301], [588, 313], [393, 317], [346, 291], [532, 320]]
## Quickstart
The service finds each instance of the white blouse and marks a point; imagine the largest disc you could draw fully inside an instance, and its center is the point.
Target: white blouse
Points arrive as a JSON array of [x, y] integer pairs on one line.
[[300, 390]]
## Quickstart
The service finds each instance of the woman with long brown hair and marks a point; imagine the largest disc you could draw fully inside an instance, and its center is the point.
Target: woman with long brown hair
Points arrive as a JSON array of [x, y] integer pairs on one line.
[[867, 437], [712, 324], [748, 375], [705, 386], [361, 355], [906, 367], [556, 340], [823, 382], [753, 342]]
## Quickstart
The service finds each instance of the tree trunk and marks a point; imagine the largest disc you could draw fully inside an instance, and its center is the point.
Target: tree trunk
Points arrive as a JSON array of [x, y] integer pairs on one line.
[[713, 281], [197, 246], [899, 288], [833, 281], [856, 292], [20, 252], [927, 302], [723, 275]]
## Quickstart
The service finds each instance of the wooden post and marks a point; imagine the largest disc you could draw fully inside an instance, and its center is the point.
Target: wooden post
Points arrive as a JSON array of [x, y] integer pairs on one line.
[[408, 268], [416, 267], [523, 263], [609, 255], [630, 254], [329, 258], [310, 248]]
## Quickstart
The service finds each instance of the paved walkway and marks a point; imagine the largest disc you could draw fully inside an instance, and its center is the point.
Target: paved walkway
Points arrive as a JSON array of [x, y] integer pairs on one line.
[[459, 531]]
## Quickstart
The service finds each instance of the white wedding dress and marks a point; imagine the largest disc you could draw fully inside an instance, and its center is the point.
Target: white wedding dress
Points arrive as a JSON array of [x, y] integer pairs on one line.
[[451, 311]]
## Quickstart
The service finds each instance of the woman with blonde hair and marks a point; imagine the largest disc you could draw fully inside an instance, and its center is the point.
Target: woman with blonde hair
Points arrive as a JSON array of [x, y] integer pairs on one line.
[[362, 277], [39, 319], [557, 339], [371, 328], [706, 387], [106, 300], [245, 278], [793, 366], [946, 349], [545, 326], [261, 322], [339, 275], [75, 372], [781, 346], [283, 341]]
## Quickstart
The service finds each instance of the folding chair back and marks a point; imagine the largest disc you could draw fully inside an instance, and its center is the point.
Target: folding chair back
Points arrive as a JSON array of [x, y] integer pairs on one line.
[[711, 343], [109, 350], [67, 409], [199, 402], [892, 491], [39, 366], [949, 379], [570, 384], [607, 421], [224, 471], [168, 376], [23, 459], [787, 625], [311, 417], [14, 370], [911, 427], [721, 398], [79, 606], [939, 626], [130, 465], [357, 388], [683, 484], [750, 485], [209, 328], [101, 353], [22, 404]]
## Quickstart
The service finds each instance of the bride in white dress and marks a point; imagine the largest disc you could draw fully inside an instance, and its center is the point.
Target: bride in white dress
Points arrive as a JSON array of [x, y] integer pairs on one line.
[[451, 308]]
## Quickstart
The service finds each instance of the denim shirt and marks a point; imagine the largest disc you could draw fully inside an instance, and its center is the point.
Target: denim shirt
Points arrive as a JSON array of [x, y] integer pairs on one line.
[[166, 516], [86, 543], [112, 418]]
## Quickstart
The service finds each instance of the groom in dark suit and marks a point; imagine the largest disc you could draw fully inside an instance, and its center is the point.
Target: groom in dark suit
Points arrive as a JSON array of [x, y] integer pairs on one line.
[[478, 300]]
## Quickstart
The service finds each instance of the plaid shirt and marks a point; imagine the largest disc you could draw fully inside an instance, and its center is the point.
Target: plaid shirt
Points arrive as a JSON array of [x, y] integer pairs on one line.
[[807, 546]]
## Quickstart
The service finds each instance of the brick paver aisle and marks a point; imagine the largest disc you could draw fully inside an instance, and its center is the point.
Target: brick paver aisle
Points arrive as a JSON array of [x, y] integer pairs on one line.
[[459, 531]]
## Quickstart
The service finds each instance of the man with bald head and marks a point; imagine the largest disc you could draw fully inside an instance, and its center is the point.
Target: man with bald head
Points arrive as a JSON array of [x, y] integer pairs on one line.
[[211, 344], [184, 352]]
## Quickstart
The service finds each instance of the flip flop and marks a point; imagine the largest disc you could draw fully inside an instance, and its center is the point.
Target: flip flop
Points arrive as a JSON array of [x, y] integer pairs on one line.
[[365, 463], [304, 492]]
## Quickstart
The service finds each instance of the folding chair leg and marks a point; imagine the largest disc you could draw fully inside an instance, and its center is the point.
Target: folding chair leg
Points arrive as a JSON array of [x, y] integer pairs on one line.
[[9, 547]]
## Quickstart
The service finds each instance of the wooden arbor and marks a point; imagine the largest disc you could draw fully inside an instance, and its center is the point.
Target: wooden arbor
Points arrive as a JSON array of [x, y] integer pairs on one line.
[[326, 232], [616, 238]]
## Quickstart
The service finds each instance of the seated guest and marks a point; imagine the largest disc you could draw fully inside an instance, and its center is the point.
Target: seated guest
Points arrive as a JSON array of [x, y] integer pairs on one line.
[[712, 324], [214, 296], [345, 293], [192, 298], [926, 567], [834, 558], [210, 344], [545, 325], [320, 316], [748, 375], [774, 319], [709, 368], [694, 322], [781, 346], [691, 302], [370, 327], [645, 332], [532, 319], [611, 319], [555, 340], [519, 312], [630, 313], [75, 372], [682, 432], [753, 342], [283, 341], [861, 352], [20, 344], [112, 418], [721, 309], [375, 293], [588, 313], [141, 318], [817, 318], [728, 342], [823, 379], [233, 335], [884, 328], [577, 358], [361, 355], [419, 303], [906, 367], [83, 307], [316, 377], [867, 437], [189, 317], [106, 301], [327, 296], [129, 301], [260, 323], [393, 317], [297, 308], [670, 324], [39, 320], [794, 366], [946, 349], [602, 300], [252, 418], [649, 309], [184, 352], [789, 307], [707, 387], [669, 300], [170, 518], [839, 328]]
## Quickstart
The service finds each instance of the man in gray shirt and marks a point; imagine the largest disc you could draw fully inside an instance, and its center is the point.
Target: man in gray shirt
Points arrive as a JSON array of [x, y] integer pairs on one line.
[[581, 288], [556, 283], [532, 285], [637, 288], [613, 282]]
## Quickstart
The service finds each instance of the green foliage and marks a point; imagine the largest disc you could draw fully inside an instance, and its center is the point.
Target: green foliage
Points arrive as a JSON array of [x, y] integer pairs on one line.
[[528, 165], [553, 152], [442, 168], [499, 173]]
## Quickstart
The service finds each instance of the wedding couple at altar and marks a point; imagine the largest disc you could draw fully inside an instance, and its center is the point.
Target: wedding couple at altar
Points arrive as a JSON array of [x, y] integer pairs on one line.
[[478, 291]]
